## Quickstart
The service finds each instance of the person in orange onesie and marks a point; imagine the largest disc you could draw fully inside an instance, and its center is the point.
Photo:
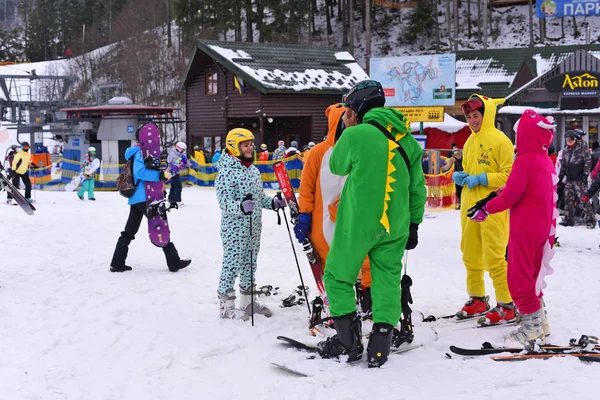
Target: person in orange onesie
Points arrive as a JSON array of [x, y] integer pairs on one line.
[[319, 196]]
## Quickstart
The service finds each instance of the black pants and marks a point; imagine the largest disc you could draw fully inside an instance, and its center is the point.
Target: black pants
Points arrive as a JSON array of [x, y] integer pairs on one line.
[[26, 181], [459, 189], [176, 188], [136, 214]]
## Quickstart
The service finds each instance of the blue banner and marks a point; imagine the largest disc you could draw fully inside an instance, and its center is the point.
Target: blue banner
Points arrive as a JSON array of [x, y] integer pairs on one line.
[[567, 8]]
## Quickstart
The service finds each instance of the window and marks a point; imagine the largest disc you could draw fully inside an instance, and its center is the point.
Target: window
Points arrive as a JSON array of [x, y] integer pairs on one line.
[[212, 84]]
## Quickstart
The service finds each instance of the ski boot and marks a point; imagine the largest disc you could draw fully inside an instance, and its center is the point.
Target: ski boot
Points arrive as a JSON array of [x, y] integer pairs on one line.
[[567, 222], [246, 304], [347, 341], [473, 307], [591, 225], [531, 331], [121, 268], [501, 313], [402, 335], [380, 341], [227, 308], [545, 324]]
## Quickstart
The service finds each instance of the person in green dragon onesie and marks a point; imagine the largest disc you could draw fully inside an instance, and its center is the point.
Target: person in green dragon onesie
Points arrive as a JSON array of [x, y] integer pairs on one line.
[[381, 207]]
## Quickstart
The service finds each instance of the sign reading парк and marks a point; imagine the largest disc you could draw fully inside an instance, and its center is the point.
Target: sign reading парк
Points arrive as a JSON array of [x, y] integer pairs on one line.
[[575, 84]]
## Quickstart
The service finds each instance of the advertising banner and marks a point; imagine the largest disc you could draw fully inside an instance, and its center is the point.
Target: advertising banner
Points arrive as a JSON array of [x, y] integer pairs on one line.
[[416, 80], [566, 8]]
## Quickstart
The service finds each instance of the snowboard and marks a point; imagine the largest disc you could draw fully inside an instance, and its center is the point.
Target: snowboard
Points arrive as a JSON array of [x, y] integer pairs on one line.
[[158, 225], [76, 181], [15, 194]]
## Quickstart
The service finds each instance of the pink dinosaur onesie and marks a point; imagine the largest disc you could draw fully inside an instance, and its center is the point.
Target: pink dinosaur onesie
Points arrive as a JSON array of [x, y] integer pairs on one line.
[[530, 194]]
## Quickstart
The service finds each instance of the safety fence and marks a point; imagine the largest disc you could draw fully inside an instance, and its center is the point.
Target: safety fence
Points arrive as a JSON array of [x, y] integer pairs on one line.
[[57, 175], [441, 193]]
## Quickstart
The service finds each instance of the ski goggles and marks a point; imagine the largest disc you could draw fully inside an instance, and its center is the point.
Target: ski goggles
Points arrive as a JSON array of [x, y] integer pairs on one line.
[[472, 104], [359, 86]]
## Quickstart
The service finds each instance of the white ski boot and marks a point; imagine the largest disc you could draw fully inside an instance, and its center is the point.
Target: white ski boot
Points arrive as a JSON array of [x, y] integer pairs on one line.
[[246, 305], [531, 331], [227, 308], [545, 324]]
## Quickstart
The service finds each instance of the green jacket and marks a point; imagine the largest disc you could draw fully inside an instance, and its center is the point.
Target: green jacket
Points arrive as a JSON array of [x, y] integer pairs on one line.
[[381, 192]]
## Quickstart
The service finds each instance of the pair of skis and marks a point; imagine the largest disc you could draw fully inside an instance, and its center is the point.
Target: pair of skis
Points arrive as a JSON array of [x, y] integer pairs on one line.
[[6, 184], [585, 349], [321, 302]]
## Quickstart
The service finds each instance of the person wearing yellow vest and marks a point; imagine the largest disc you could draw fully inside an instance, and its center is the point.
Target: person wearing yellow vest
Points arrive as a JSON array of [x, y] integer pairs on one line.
[[487, 162], [20, 167]]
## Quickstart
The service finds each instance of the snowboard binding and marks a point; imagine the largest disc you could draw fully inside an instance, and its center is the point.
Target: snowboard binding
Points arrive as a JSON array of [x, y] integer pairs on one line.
[[160, 209]]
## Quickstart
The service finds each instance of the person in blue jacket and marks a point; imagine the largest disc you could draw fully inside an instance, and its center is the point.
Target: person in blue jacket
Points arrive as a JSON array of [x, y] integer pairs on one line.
[[137, 211]]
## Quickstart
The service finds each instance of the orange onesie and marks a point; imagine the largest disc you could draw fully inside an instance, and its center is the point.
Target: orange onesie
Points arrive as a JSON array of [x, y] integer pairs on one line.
[[320, 191]]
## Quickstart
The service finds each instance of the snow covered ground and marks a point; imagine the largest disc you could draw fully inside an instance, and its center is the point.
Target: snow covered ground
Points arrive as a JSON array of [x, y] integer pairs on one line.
[[70, 329]]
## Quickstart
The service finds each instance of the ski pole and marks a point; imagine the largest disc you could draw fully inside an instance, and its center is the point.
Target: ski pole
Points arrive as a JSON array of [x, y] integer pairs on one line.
[[295, 256], [249, 197]]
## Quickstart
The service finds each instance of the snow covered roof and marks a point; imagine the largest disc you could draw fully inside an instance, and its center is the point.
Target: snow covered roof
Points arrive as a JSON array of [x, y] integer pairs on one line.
[[500, 72], [450, 125], [276, 68], [518, 110]]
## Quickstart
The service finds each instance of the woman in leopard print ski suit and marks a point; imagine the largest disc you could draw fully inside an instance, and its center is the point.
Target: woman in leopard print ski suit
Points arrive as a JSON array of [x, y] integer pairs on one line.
[[237, 179]]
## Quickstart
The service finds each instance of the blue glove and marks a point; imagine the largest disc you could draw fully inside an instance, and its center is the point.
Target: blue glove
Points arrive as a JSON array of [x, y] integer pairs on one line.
[[247, 205], [459, 177], [476, 180], [302, 228]]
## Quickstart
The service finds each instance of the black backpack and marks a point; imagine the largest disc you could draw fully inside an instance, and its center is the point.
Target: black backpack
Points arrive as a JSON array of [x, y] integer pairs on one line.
[[125, 181]]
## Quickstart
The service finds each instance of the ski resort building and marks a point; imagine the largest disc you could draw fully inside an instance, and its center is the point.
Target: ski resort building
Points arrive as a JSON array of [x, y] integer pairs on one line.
[[279, 92]]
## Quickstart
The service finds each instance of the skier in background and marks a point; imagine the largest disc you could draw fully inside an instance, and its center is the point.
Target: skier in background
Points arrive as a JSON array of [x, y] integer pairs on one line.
[[529, 195], [487, 161], [264, 153], [575, 167], [20, 171], [381, 207], [293, 150], [241, 199], [137, 210], [88, 175], [279, 153], [177, 160]]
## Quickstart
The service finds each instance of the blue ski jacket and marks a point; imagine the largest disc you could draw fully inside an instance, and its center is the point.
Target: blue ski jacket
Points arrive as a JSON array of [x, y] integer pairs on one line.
[[140, 173]]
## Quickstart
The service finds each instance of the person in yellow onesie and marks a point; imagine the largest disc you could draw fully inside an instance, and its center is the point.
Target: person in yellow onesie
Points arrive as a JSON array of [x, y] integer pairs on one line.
[[319, 197], [487, 162]]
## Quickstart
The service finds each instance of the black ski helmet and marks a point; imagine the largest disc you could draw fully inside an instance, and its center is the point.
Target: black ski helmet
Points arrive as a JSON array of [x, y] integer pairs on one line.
[[364, 96], [575, 134], [25, 145]]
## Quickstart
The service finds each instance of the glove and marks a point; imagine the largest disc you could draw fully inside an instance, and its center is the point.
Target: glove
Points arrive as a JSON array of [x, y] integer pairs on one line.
[[585, 199], [459, 177], [475, 180], [247, 205], [479, 212], [413, 237], [302, 228], [277, 203], [152, 163]]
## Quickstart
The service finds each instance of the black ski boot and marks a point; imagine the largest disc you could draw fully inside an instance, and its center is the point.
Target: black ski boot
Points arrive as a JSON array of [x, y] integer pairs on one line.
[[347, 341], [180, 265], [366, 303], [380, 341]]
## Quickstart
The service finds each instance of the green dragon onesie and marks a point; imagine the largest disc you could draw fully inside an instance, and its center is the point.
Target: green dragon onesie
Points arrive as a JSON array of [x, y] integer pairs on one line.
[[381, 197]]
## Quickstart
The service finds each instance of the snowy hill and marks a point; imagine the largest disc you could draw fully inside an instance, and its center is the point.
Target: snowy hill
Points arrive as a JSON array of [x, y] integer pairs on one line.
[[73, 330]]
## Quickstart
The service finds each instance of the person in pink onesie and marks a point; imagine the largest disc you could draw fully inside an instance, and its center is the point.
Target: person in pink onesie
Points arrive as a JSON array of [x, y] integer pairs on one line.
[[530, 194]]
